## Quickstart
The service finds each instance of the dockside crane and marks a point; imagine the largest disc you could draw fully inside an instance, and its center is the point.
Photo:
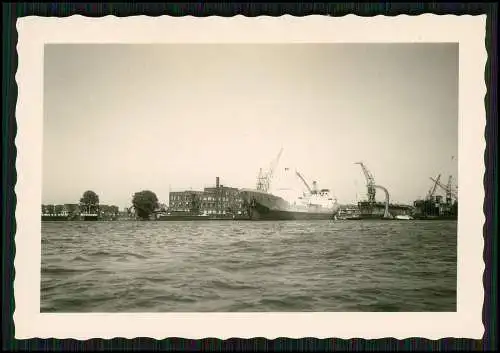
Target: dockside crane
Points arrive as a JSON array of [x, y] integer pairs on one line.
[[432, 190], [450, 192], [371, 187], [264, 178], [370, 182]]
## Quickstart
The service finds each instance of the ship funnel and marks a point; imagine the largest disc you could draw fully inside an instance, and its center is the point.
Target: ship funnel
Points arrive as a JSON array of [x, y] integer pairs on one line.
[[315, 187]]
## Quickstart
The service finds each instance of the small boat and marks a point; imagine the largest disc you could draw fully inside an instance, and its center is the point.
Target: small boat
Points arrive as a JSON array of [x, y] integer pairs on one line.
[[403, 217]]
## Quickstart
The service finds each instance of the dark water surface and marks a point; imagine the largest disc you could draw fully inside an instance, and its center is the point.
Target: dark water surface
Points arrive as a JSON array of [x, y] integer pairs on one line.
[[249, 266]]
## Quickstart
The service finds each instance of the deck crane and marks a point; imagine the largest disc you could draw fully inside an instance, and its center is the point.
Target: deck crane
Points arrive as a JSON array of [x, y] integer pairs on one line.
[[432, 190], [264, 179], [311, 191]]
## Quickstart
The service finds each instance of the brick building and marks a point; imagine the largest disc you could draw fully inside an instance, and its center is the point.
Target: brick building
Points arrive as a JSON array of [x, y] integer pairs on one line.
[[185, 201], [216, 201], [221, 200]]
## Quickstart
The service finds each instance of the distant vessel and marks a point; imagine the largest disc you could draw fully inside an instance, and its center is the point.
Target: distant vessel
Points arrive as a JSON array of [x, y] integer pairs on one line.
[[89, 216], [433, 207], [404, 217], [311, 205], [348, 212]]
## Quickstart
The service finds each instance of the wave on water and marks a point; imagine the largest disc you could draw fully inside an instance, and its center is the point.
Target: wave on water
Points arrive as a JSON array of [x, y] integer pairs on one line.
[[248, 266]]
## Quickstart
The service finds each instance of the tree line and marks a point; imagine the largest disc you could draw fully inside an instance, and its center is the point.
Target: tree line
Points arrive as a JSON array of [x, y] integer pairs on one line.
[[144, 204]]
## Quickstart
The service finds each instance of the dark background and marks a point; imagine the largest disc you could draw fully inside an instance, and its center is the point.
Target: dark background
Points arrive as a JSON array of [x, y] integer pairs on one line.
[[12, 11]]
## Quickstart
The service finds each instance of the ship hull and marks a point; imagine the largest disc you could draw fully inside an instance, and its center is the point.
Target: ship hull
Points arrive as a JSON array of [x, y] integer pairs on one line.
[[274, 215], [264, 206]]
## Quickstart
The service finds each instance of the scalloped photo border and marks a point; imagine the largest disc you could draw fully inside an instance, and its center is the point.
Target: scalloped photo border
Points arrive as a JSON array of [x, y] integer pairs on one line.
[[467, 31]]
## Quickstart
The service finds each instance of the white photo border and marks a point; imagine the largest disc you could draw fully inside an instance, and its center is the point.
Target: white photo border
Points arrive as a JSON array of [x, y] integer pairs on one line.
[[34, 32]]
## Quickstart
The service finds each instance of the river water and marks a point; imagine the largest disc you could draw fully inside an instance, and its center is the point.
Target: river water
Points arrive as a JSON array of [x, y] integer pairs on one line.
[[128, 266]]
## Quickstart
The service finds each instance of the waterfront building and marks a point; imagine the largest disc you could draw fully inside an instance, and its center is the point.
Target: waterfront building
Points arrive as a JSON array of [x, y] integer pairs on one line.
[[218, 200], [185, 201], [221, 200]]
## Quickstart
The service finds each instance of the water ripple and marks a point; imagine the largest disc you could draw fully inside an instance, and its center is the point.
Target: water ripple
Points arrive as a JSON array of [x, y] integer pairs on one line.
[[248, 266]]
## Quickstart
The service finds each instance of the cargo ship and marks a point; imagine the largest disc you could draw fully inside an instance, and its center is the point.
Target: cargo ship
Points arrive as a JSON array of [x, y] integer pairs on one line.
[[262, 205], [288, 203]]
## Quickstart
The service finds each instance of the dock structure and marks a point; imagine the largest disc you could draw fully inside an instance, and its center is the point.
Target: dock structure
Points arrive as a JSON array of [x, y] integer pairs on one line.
[[435, 206], [371, 209]]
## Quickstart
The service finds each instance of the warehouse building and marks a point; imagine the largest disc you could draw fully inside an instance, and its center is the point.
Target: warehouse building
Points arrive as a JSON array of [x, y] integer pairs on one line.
[[219, 200], [185, 201]]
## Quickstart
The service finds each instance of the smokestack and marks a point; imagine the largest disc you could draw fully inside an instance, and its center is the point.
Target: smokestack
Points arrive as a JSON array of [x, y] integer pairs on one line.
[[217, 182]]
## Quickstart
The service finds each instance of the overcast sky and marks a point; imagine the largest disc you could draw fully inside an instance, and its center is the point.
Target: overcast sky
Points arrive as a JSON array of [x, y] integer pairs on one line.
[[124, 118]]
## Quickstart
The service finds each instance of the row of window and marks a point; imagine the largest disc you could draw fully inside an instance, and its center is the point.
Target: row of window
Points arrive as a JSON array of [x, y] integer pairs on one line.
[[208, 198], [226, 196], [203, 207]]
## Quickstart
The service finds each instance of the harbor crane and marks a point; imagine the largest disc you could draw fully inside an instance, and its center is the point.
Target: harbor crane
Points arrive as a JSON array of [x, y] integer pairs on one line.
[[372, 187], [450, 192], [432, 190], [370, 182], [264, 179]]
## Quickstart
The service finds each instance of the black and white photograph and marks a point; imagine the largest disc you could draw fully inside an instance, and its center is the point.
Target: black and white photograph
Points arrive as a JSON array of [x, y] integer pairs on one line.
[[251, 177], [228, 177]]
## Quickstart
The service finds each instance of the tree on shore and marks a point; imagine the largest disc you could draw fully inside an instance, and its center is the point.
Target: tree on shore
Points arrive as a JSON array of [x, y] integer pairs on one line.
[[114, 210], [71, 208], [90, 201], [145, 203], [58, 209]]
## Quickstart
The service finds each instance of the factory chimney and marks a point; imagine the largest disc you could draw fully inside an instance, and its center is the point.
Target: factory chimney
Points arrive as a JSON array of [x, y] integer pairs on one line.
[[217, 182]]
